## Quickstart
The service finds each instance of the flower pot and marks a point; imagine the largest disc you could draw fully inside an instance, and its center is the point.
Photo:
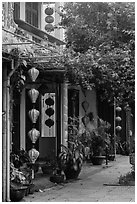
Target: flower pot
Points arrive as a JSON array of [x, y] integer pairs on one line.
[[47, 169], [111, 157], [72, 173], [97, 160], [16, 194], [57, 178]]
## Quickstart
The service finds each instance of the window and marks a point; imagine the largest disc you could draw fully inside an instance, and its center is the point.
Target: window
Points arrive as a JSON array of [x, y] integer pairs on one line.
[[32, 13], [16, 10]]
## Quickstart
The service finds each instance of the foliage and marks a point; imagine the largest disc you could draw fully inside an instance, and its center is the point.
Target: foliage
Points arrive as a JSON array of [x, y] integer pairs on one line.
[[71, 158], [101, 41], [20, 173], [127, 179], [98, 140]]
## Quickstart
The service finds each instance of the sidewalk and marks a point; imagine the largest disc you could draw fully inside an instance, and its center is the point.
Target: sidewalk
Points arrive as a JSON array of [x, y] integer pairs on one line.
[[119, 167], [95, 184]]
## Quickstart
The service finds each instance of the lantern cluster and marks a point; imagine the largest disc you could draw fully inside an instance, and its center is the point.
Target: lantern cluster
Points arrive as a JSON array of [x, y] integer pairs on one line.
[[49, 19], [118, 119], [33, 114], [49, 111], [85, 106]]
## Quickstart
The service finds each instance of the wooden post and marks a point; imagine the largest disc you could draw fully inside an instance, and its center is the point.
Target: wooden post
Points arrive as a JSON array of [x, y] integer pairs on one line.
[[4, 133]]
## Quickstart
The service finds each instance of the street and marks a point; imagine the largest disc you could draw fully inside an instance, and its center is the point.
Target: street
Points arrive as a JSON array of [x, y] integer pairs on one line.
[[95, 184]]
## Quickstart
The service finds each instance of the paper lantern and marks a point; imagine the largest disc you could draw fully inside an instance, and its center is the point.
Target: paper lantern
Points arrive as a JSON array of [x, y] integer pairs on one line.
[[118, 128], [118, 109], [49, 122], [49, 19], [33, 135], [33, 73], [49, 27], [33, 93], [33, 154], [118, 119], [49, 112], [33, 114], [49, 11], [49, 101], [85, 105]]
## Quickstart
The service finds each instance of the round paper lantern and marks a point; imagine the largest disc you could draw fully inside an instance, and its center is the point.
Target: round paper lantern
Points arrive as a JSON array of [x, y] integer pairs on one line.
[[34, 135], [49, 11], [33, 154], [49, 111], [33, 114], [33, 73], [49, 101], [49, 123], [118, 119], [33, 93], [118, 128], [49, 27], [118, 109], [49, 19]]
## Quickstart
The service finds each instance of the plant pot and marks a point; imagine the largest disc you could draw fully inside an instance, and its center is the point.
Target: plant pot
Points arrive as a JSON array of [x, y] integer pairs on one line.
[[111, 157], [16, 194], [57, 178], [47, 169], [97, 160], [71, 173]]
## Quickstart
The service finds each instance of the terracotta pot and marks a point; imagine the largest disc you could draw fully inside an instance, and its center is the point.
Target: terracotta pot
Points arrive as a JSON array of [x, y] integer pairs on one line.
[[16, 194], [111, 157], [47, 169], [97, 160], [57, 178], [71, 173]]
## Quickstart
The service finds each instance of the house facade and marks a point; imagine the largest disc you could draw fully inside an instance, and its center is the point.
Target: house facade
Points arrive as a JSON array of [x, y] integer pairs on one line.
[[44, 100]]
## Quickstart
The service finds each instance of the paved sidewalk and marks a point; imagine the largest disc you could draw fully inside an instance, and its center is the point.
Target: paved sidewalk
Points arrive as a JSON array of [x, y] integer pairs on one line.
[[102, 181]]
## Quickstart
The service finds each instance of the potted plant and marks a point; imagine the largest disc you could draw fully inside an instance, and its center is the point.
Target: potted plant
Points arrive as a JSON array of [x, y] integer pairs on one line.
[[70, 160], [100, 142], [58, 176], [20, 174], [97, 150], [48, 166], [71, 157], [17, 184]]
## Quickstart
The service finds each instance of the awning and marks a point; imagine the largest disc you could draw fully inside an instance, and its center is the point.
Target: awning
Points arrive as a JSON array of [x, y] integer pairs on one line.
[[38, 32]]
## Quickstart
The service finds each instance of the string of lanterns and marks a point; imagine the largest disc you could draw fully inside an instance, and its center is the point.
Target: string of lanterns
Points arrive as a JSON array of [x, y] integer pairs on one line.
[[33, 114], [49, 19]]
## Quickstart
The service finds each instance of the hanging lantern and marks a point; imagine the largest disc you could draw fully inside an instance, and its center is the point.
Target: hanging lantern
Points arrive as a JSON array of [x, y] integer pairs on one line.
[[85, 105], [49, 101], [49, 27], [118, 128], [49, 112], [33, 135], [33, 93], [49, 11], [49, 123], [85, 120], [33, 114], [33, 154], [49, 19], [118, 109], [118, 119], [33, 73]]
